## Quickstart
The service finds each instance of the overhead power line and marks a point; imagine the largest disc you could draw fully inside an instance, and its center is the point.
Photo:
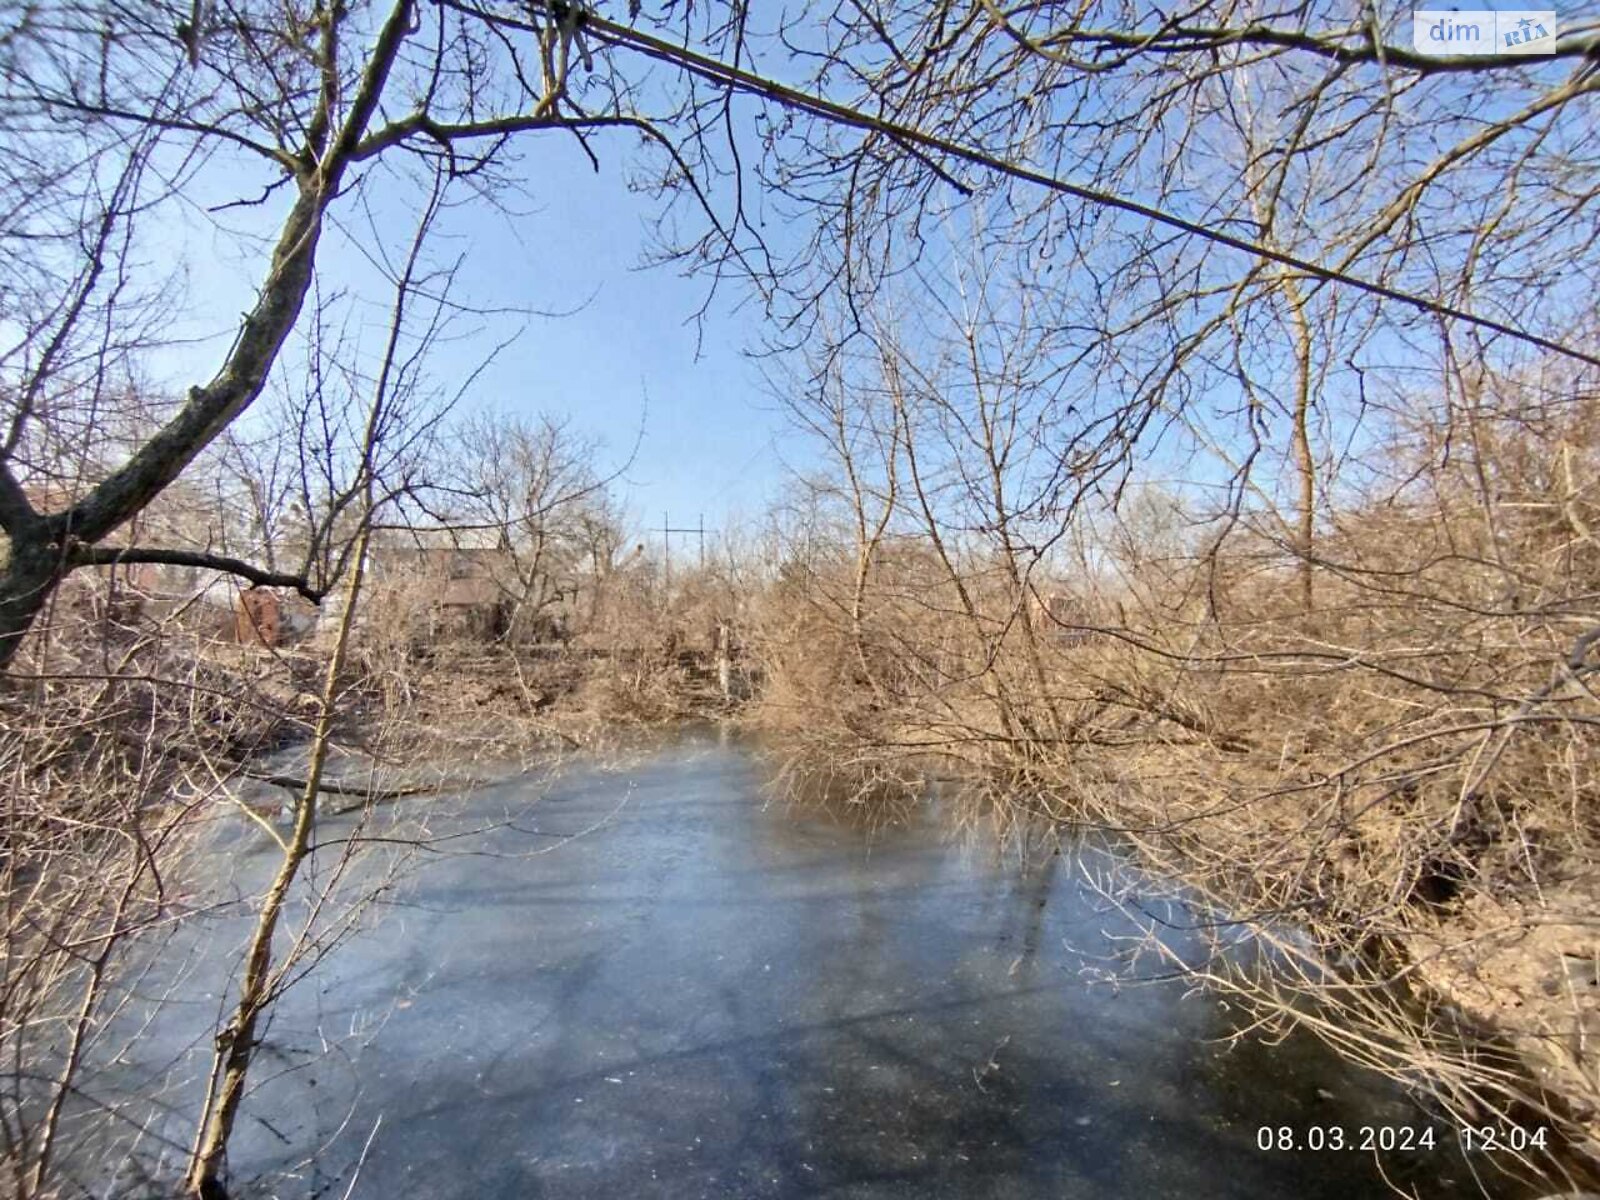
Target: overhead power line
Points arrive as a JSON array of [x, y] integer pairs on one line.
[[728, 75]]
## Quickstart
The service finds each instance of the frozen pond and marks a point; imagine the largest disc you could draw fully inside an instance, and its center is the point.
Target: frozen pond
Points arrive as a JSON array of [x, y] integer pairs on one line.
[[706, 995]]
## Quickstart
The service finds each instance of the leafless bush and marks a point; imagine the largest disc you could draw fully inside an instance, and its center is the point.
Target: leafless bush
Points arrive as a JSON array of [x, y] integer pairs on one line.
[[109, 773], [1393, 789]]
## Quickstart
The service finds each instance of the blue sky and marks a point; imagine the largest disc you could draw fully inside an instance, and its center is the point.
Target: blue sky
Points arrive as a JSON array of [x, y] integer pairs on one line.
[[619, 348], [628, 352], [633, 351]]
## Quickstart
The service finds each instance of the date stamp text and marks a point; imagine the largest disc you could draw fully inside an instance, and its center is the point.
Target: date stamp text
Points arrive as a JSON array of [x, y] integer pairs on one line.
[[1472, 1139]]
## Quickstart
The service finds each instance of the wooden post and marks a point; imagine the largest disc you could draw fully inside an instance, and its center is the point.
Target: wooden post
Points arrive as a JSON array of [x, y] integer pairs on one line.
[[725, 658]]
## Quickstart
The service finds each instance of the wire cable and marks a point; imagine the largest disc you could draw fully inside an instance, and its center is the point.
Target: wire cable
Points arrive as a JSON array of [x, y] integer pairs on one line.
[[716, 71]]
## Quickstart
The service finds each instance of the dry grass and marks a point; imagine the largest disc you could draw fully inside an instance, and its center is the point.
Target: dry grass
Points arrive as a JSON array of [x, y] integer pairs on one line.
[[1398, 790], [115, 745]]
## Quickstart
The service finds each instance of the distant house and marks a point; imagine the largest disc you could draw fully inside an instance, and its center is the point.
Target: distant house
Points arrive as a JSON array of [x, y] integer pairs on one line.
[[465, 591], [179, 519], [437, 583]]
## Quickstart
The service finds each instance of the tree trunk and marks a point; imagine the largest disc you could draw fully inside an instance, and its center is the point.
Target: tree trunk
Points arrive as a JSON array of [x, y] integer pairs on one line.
[[236, 1043], [33, 568]]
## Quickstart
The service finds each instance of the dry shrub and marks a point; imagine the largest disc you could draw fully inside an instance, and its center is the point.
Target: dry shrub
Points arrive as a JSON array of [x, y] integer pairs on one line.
[[1396, 791], [114, 742], [635, 689], [651, 644]]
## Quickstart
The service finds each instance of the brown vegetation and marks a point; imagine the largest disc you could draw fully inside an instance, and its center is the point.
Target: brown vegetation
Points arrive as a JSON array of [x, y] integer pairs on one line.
[[1207, 408], [1394, 790]]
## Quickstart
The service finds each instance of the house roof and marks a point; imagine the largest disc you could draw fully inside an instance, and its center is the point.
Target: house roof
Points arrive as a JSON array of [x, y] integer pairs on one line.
[[443, 538]]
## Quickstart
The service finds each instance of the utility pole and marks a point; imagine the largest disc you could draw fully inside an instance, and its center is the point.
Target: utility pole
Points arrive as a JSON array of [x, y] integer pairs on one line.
[[668, 529]]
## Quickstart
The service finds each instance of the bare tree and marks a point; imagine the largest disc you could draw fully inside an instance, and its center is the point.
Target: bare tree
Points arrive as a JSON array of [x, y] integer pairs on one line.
[[376, 446], [283, 95], [1336, 295], [536, 489], [274, 94]]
